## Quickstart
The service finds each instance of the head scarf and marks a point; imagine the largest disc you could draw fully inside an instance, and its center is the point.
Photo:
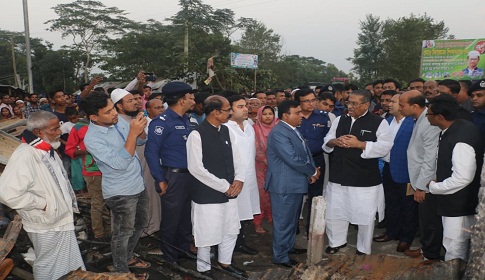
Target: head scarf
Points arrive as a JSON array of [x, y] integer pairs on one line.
[[262, 130]]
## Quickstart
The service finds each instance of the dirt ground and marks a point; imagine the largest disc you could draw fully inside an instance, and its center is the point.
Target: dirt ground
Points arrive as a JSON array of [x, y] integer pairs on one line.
[[385, 261]]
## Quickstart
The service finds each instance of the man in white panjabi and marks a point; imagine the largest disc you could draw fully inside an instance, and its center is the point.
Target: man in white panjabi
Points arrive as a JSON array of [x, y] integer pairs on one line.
[[354, 192], [459, 162], [218, 172], [248, 199], [35, 184]]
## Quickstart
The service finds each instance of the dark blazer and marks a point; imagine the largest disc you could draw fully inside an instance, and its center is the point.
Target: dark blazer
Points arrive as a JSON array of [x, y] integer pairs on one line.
[[290, 164], [398, 164]]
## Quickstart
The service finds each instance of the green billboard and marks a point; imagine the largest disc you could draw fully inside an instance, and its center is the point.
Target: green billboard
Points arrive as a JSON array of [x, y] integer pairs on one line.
[[453, 59]]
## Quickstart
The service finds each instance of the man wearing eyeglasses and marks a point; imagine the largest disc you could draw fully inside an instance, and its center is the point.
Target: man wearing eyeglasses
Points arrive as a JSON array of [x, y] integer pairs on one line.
[[457, 182], [314, 126], [354, 192], [219, 173]]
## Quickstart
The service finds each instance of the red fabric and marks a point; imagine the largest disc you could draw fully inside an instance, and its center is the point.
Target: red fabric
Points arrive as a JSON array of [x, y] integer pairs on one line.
[[76, 138], [262, 131], [29, 138]]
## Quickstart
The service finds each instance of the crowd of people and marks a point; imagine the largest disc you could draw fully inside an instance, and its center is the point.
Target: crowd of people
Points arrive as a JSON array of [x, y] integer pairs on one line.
[[204, 169]]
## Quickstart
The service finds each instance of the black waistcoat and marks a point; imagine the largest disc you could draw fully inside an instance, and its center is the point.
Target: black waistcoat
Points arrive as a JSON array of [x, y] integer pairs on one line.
[[346, 165], [464, 201], [217, 159]]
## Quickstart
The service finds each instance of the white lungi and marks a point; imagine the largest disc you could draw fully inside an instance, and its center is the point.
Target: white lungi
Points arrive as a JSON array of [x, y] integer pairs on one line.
[[56, 254]]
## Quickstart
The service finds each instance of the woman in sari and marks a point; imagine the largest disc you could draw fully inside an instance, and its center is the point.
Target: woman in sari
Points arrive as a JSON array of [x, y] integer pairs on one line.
[[265, 121]]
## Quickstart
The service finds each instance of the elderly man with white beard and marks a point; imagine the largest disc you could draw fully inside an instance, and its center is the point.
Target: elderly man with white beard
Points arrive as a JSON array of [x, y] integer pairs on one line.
[[36, 185]]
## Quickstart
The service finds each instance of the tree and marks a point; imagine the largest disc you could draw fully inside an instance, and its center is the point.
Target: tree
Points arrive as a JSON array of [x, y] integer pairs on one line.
[[402, 44], [369, 56], [258, 39], [393, 48], [88, 23], [150, 47], [54, 71], [51, 69]]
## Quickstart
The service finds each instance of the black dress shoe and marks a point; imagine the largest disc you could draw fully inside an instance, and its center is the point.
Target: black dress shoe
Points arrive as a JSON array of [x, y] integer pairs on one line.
[[359, 253], [383, 238], [232, 269], [296, 251], [290, 264], [208, 273], [245, 250], [403, 246]]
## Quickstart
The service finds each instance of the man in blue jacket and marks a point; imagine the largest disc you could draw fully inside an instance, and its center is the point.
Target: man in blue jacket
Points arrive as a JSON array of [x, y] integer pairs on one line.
[[290, 169]]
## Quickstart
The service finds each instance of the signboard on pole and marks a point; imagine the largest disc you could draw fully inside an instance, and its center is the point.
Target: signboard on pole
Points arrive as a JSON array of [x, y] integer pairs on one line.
[[242, 60], [453, 59]]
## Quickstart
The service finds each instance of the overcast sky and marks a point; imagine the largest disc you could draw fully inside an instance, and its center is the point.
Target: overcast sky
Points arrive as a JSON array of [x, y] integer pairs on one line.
[[324, 29]]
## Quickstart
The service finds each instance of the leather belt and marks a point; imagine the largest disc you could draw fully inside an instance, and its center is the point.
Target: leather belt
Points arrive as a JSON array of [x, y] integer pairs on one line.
[[177, 170]]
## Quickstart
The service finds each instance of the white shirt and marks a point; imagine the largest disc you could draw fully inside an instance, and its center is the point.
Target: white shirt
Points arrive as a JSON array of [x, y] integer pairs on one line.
[[196, 167], [394, 126], [244, 142], [358, 205], [211, 222], [464, 166]]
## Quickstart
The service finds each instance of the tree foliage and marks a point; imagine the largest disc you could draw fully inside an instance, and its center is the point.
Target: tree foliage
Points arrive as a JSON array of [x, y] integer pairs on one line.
[[402, 44], [103, 37], [392, 48], [369, 56], [88, 23], [51, 69]]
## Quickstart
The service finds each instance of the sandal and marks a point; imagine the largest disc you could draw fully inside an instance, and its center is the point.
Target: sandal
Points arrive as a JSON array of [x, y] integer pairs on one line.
[[142, 276], [333, 250], [138, 263]]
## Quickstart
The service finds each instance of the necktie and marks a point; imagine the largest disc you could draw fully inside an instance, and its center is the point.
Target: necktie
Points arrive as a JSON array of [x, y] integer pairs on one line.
[[308, 154]]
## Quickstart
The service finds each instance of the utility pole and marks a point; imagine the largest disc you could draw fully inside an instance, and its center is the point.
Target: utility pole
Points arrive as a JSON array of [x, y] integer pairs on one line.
[[186, 47], [27, 47], [186, 39], [14, 64]]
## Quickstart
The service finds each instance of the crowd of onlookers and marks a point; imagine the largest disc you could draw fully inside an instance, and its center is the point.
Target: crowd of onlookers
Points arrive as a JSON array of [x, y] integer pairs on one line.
[[360, 145]]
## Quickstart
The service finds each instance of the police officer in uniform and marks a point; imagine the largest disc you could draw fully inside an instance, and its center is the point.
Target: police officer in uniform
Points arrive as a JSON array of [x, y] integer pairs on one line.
[[166, 156], [314, 127], [477, 93]]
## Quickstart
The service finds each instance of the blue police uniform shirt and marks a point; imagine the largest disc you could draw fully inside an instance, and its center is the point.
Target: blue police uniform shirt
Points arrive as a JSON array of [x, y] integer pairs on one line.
[[314, 129], [167, 136], [478, 119], [339, 108]]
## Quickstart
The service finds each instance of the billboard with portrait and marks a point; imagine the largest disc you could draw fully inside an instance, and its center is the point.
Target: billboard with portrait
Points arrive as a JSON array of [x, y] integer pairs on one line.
[[242, 60], [453, 59]]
